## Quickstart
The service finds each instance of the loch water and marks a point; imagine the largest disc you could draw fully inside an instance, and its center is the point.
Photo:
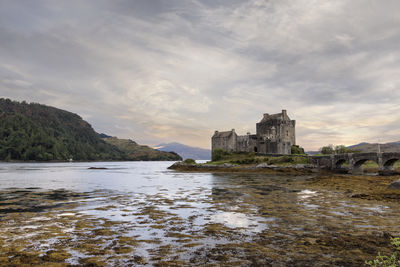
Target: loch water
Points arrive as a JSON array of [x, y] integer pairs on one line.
[[142, 214]]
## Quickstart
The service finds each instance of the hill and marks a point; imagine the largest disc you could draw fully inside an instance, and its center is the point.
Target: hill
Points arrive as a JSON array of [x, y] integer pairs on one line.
[[134, 151], [41, 133], [186, 151], [368, 147]]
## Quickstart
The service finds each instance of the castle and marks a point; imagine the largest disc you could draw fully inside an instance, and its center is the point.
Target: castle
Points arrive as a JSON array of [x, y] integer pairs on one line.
[[275, 134]]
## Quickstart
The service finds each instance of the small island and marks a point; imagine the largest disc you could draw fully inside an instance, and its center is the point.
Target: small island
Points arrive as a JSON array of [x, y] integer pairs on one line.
[[273, 148]]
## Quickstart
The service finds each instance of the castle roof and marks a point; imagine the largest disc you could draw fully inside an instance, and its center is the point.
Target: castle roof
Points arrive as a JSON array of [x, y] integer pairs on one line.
[[223, 134], [281, 116]]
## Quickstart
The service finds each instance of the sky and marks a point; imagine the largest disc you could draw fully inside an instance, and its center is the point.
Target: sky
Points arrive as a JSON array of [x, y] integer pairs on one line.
[[159, 71]]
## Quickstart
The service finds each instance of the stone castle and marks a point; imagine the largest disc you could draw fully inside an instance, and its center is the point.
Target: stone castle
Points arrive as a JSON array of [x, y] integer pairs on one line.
[[275, 134]]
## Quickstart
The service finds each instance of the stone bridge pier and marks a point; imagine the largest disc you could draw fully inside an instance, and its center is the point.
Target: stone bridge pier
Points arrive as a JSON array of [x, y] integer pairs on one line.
[[352, 162]]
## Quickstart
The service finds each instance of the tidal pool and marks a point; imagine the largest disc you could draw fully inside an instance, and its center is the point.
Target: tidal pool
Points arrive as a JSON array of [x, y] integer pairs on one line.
[[141, 214]]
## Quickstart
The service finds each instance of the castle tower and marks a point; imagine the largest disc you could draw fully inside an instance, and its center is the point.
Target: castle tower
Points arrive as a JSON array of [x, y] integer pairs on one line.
[[275, 134]]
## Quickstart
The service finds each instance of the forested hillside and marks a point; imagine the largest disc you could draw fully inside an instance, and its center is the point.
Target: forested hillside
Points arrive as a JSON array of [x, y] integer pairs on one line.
[[42, 133]]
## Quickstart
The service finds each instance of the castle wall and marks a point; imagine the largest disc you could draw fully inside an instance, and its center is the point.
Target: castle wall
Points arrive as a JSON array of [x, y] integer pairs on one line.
[[275, 134], [246, 143], [224, 141]]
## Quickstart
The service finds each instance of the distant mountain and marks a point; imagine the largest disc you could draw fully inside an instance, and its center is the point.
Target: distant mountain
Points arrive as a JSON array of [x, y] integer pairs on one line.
[[368, 147], [134, 151], [41, 133], [186, 151]]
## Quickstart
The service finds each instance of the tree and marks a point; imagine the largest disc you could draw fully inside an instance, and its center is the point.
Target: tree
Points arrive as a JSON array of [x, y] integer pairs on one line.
[[296, 150], [341, 149], [327, 150]]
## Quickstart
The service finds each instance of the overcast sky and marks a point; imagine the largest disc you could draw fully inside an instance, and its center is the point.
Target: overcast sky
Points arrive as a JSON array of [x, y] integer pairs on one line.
[[176, 70]]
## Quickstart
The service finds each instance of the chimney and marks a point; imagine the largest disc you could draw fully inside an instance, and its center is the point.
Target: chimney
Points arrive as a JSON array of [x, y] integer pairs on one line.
[[284, 113], [266, 115], [216, 132], [233, 130]]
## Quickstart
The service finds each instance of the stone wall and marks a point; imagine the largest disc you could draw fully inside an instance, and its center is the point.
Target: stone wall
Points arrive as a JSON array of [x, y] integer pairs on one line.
[[224, 140], [275, 134], [246, 143]]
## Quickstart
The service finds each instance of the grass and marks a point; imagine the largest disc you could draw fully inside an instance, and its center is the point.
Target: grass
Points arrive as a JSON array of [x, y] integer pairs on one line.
[[251, 158], [373, 165]]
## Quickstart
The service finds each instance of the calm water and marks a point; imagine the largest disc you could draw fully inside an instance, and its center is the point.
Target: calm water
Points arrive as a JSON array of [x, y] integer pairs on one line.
[[120, 176], [180, 218]]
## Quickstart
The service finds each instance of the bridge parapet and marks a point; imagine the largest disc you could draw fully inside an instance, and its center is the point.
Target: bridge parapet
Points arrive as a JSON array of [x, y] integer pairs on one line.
[[324, 162]]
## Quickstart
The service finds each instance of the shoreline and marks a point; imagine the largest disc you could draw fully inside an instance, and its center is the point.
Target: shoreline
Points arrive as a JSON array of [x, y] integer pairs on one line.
[[298, 169], [77, 161], [249, 168]]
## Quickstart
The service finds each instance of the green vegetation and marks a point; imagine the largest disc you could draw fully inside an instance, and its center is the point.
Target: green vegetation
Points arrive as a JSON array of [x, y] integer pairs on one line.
[[189, 161], [221, 156], [341, 149], [42, 133], [134, 151], [327, 150], [297, 150], [388, 261]]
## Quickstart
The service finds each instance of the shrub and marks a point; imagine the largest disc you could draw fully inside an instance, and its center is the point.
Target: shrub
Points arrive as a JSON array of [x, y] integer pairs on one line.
[[343, 149], [246, 161], [295, 149], [219, 153], [189, 161], [326, 150]]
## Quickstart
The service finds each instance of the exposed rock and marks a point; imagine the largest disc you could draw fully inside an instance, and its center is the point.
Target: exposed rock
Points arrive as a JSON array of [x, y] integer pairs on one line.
[[228, 165], [395, 185], [208, 166], [262, 165], [300, 166], [268, 166], [304, 166]]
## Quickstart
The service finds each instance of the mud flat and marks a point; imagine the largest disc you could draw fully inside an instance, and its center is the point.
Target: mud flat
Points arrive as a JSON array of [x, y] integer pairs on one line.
[[238, 219]]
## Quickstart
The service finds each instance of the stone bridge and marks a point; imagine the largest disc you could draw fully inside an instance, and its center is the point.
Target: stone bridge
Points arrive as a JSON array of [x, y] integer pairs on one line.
[[354, 161]]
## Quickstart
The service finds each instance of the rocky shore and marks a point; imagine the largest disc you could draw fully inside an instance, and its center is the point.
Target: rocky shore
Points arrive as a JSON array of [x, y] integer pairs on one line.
[[252, 168], [296, 169]]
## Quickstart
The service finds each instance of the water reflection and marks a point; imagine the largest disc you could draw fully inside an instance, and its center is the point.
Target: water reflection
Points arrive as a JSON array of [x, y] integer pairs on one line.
[[145, 210]]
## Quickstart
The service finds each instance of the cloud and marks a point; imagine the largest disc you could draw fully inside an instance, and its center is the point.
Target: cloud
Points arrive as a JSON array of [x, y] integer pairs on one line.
[[159, 71]]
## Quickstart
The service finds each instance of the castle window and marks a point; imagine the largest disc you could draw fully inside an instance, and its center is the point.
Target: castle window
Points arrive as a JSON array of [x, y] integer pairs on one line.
[[287, 133]]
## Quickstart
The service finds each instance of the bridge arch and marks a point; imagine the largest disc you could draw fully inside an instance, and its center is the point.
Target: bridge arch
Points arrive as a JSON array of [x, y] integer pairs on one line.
[[389, 164], [339, 163], [358, 164]]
